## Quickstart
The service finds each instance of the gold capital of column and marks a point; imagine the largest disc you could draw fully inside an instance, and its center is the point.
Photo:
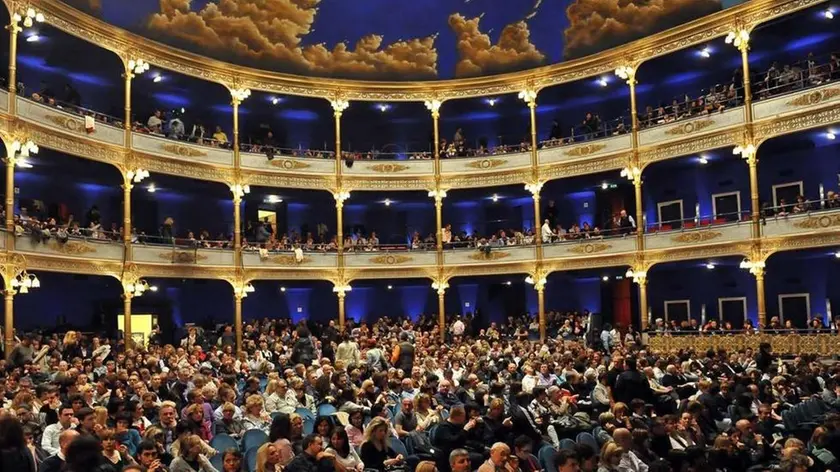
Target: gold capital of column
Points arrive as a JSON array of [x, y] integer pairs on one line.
[[341, 289], [440, 286]]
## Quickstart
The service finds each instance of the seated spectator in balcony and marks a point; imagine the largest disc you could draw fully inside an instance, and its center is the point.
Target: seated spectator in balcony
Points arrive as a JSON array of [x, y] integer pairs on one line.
[[783, 209], [591, 124], [458, 140], [546, 233], [71, 96], [801, 206], [44, 95], [198, 133], [167, 231], [155, 123], [219, 136], [175, 127]]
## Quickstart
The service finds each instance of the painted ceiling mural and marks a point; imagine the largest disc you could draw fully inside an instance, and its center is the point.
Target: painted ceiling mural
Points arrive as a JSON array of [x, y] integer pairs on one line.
[[397, 39]]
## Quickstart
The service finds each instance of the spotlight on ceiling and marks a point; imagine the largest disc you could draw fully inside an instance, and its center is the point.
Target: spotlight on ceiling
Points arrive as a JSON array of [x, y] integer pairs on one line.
[[605, 278], [495, 198], [705, 53], [153, 288], [828, 14], [492, 101], [710, 266], [830, 135], [383, 107], [23, 164], [273, 199], [387, 202], [157, 78], [837, 254], [603, 82], [703, 159], [282, 289], [390, 287], [151, 188], [605, 186], [508, 283], [275, 101], [33, 38]]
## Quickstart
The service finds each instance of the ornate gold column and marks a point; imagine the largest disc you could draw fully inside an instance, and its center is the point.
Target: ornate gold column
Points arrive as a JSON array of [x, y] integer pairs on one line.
[[538, 280], [10, 160], [740, 38], [633, 172], [14, 28], [756, 267], [529, 96], [238, 188], [341, 290], [749, 153], [639, 275], [440, 286], [241, 289], [133, 67], [15, 280], [340, 197], [437, 193], [131, 176], [9, 321], [338, 106], [127, 332], [237, 318]]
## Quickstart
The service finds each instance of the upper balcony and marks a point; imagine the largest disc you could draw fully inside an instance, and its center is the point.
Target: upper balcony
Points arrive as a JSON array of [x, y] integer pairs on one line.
[[385, 130]]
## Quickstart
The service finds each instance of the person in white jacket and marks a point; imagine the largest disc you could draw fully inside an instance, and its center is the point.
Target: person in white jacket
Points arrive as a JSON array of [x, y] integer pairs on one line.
[[547, 234]]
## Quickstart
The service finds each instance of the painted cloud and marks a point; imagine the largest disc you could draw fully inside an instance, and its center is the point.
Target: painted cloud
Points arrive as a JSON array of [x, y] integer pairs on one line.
[[270, 31], [479, 56], [595, 25]]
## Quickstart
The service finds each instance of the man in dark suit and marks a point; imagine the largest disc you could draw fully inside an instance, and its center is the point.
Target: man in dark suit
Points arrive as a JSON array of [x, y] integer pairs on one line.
[[452, 434], [631, 384], [55, 462]]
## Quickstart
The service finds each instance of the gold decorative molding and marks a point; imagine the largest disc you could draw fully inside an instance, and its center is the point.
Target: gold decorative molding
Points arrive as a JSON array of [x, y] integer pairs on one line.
[[67, 123], [485, 164], [287, 260], [391, 259], [690, 127], [290, 164], [814, 98], [72, 247], [696, 237], [815, 222], [182, 151], [585, 150], [388, 168], [489, 256], [182, 257], [589, 248], [794, 344]]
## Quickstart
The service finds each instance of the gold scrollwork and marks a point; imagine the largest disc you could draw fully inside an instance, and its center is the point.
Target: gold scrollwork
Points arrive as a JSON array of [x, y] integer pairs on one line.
[[287, 260], [485, 164], [66, 122], [391, 259], [73, 248], [824, 221], [585, 150], [696, 237], [690, 127], [589, 248], [182, 257], [183, 151], [815, 97], [489, 256], [290, 164], [822, 344], [388, 168]]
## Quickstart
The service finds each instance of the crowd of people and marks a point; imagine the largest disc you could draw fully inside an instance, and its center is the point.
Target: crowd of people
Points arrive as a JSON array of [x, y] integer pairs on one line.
[[391, 396]]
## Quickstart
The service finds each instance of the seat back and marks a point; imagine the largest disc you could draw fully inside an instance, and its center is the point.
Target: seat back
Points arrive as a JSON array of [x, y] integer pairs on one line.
[[589, 440], [546, 456], [254, 438], [251, 459], [217, 461], [326, 409], [305, 413], [308, 426], [567, 443], [222, 442], [398, 446]]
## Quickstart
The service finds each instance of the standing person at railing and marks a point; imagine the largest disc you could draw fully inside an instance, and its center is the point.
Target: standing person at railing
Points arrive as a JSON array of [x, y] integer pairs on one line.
[[626, 223], [155, 123], [167, 230]]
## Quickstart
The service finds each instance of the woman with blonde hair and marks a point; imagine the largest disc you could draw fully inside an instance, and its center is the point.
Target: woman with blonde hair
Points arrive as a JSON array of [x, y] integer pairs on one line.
[[376, 453], [100, 417], [254, 417], [426, 415], [610, 457], [71, 348], [268, 458], [190, 458], [276, 397], [426, 466]]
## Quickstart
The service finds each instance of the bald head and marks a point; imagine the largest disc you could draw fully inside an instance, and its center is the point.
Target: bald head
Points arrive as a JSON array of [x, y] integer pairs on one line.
[[624, 438], [65, 438]]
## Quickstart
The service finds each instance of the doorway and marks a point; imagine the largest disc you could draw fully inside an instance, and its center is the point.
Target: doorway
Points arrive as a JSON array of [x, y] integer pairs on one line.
[[677, 310], [733, 310], [670, 214], [726, 206], [795, 307]]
